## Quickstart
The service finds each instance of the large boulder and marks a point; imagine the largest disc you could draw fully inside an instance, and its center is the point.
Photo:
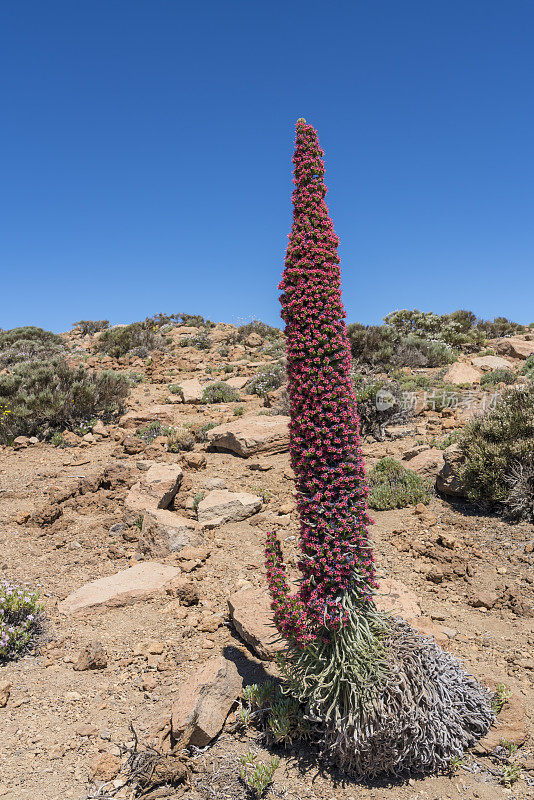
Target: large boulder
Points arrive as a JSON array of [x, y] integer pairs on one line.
[[220, 506], [459, 373], [165, 532], [394, 597], [487, 363], [447, 479], [203, 702], [427, 462], [124, 588], [252, 434], [156, 489], [514, 347]]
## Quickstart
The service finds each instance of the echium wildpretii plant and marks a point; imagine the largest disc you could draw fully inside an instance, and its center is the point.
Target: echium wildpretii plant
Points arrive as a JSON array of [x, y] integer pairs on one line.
[[383, 698]]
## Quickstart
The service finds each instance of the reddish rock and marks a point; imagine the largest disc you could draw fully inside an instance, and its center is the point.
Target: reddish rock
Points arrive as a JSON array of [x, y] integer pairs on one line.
[[203, 702], [156, 489], [165, 532], [252, 434], [250, 612], [128, 586]]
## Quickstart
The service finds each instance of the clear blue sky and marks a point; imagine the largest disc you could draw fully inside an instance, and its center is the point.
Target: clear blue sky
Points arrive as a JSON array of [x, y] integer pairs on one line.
[[146, 154]]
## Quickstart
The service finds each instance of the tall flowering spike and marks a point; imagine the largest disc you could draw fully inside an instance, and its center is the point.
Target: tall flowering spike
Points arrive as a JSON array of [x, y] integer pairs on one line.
[[324, 430]]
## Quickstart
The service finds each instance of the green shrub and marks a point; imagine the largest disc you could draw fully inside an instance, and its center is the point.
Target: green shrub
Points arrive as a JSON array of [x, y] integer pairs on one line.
[[219, 392], [138, 339], [178, 440], [151, 431], [200, 431], [200, 341], [88, 327], [195, 321], [267, 379], [255, 775], [373, 344], [391, 485], [500, 375], [42, 397], [175, 388], [499, 327], [259, 327], [498, 452], [414, 351], [528, 368], [20, 616], [379, 403], [457, 329], [28, 344]]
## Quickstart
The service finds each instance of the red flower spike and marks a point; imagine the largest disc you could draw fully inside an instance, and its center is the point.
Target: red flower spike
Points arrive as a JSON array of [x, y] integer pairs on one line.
[[324, 430]]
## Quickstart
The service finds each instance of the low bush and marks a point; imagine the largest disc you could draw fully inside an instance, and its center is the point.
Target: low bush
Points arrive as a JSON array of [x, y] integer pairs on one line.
[[414, 351], [373, 344], [151, 431], [379, 403], [135, 339], [28, 344], [267, 379], [195, 321], [175, 388], [200, 341], [498, 456], [88, 327], [528, 368], [496, 376], [499, 327], [20, 616], [180, 439], [391, 485], [259, 327], [42, 397], [219, 392]]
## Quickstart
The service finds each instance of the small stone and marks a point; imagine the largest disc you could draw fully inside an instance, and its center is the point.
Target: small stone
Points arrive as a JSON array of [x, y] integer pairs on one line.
[[106, 767], [86, 729], [93, 656], [5, 690]]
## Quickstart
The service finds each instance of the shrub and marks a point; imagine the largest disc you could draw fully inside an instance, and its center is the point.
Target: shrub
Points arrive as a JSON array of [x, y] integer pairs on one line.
[[151, 431], [500, 375], [136, 339], [200, 431], [88, 327], [178, 440], [257, 776], [20, 616], [259, 327], [498, 450], [391, 485], [47, 396], [267, 379], [456, 329], [380, 403], [499, 327], [528, 368], [28, 344], [413, 351], [372, 344], [200, 341], [219, 392], [195, 321], [175, 388]]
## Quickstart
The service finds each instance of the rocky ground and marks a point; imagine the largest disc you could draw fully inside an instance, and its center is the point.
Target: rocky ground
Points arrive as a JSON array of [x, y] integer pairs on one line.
[[150, 564]]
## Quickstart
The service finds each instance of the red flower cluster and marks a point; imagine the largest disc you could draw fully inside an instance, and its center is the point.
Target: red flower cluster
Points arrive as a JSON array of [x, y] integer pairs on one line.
[[324, 429]]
